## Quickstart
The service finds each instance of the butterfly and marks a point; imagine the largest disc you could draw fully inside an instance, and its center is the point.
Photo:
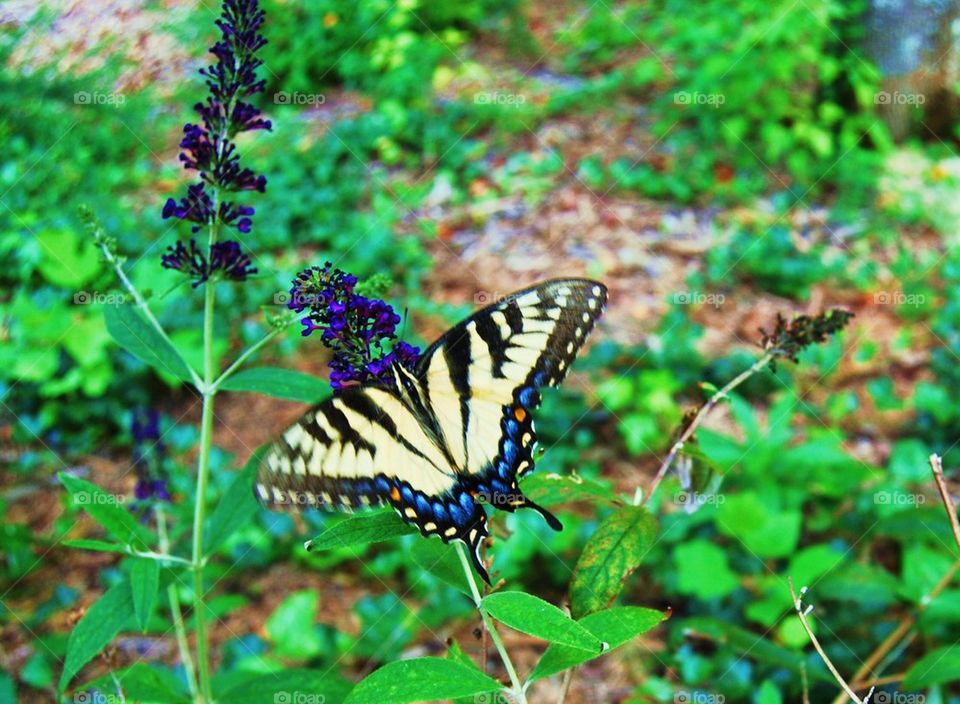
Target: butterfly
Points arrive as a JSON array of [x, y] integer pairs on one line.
[[449, 435]]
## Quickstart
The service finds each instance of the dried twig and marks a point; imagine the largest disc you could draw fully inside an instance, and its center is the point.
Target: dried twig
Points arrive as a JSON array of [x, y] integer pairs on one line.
[[802, 613], [907, 622]]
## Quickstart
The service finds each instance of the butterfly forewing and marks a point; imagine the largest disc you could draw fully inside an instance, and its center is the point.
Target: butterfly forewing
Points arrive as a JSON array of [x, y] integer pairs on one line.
[[481, 379]]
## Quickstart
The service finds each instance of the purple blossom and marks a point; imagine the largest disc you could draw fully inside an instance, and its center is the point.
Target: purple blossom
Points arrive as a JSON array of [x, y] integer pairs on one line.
[[226, 257], [355, 327], [207, 146], [148, 455]]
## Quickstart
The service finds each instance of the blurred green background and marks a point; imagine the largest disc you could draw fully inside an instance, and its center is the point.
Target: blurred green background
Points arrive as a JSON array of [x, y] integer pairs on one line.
[[712, 163]]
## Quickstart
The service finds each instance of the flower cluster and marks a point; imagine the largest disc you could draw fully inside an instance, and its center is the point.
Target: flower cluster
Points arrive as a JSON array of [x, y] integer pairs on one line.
[[226, 257], [208, 145], [354, 326], [148, 452], [790, 337]]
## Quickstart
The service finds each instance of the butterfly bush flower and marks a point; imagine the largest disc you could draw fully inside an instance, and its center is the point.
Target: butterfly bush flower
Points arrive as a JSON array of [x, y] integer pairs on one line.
[[355, 327], [208, 148], [148, 453], [225, 257]]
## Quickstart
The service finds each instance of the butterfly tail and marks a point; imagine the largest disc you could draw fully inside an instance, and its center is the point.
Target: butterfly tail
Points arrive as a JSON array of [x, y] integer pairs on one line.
[[551, 520], [473, 540]]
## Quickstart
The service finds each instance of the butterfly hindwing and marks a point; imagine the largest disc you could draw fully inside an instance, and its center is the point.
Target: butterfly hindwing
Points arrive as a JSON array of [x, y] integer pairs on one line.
[[365, 447]]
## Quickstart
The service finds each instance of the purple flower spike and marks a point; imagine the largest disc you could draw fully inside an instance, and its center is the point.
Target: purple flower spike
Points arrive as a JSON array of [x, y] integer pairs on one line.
[[208, 146], [355, 327]]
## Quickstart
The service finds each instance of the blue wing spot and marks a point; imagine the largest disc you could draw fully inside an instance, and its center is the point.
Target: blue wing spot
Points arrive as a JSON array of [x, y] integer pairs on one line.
[[440, 513], [510, 453], [540, 378], [512, 427], [466, 502], [423, 506], [383, 486], [528, 396]]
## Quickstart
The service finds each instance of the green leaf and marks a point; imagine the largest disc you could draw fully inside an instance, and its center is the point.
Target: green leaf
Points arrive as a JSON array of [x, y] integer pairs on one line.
[[279, 383], [419, 680], [534, 616], [614, 626], [287, 686], [703, 571], [144, 585], [551, 489], [103, 620], [96, 545], [143, 683], [766, 530], [106, 509], [612, 553], [291, 627], [362, 528], [440, 560], [936, 667], [68, 260], [237, 507], [132, 331]]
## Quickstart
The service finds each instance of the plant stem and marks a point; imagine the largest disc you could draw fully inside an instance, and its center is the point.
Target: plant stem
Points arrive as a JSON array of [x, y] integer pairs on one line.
[[698, 420], [246, 355], [906, 623], [186, 658], [203, 472], [518, 690], [816, 644]]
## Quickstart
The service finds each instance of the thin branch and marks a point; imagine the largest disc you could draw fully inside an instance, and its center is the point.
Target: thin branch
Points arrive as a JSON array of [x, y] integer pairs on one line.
[[802, 613], [518, 690], [698, 420], [907, 622], [936, 464], [183, 645], [215, 386]]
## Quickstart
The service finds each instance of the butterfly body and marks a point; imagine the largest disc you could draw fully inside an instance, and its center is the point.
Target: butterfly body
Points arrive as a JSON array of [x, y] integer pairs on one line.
[[451, 434]]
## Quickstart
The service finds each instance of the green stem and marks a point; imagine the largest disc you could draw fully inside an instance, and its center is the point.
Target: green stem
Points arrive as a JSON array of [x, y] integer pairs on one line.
[[246, 354], [518, 690], [203, 472], [176, 612]]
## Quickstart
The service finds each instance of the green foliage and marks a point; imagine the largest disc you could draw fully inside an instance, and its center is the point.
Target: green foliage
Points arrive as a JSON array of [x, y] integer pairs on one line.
[[613, 552]]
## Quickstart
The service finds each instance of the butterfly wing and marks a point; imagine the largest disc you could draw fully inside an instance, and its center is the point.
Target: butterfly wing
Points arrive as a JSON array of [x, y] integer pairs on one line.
[[366, 447], [481, 381]]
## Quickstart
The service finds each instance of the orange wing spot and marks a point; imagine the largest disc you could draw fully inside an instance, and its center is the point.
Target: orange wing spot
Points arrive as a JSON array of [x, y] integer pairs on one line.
[[519, 414], [395, 493]]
